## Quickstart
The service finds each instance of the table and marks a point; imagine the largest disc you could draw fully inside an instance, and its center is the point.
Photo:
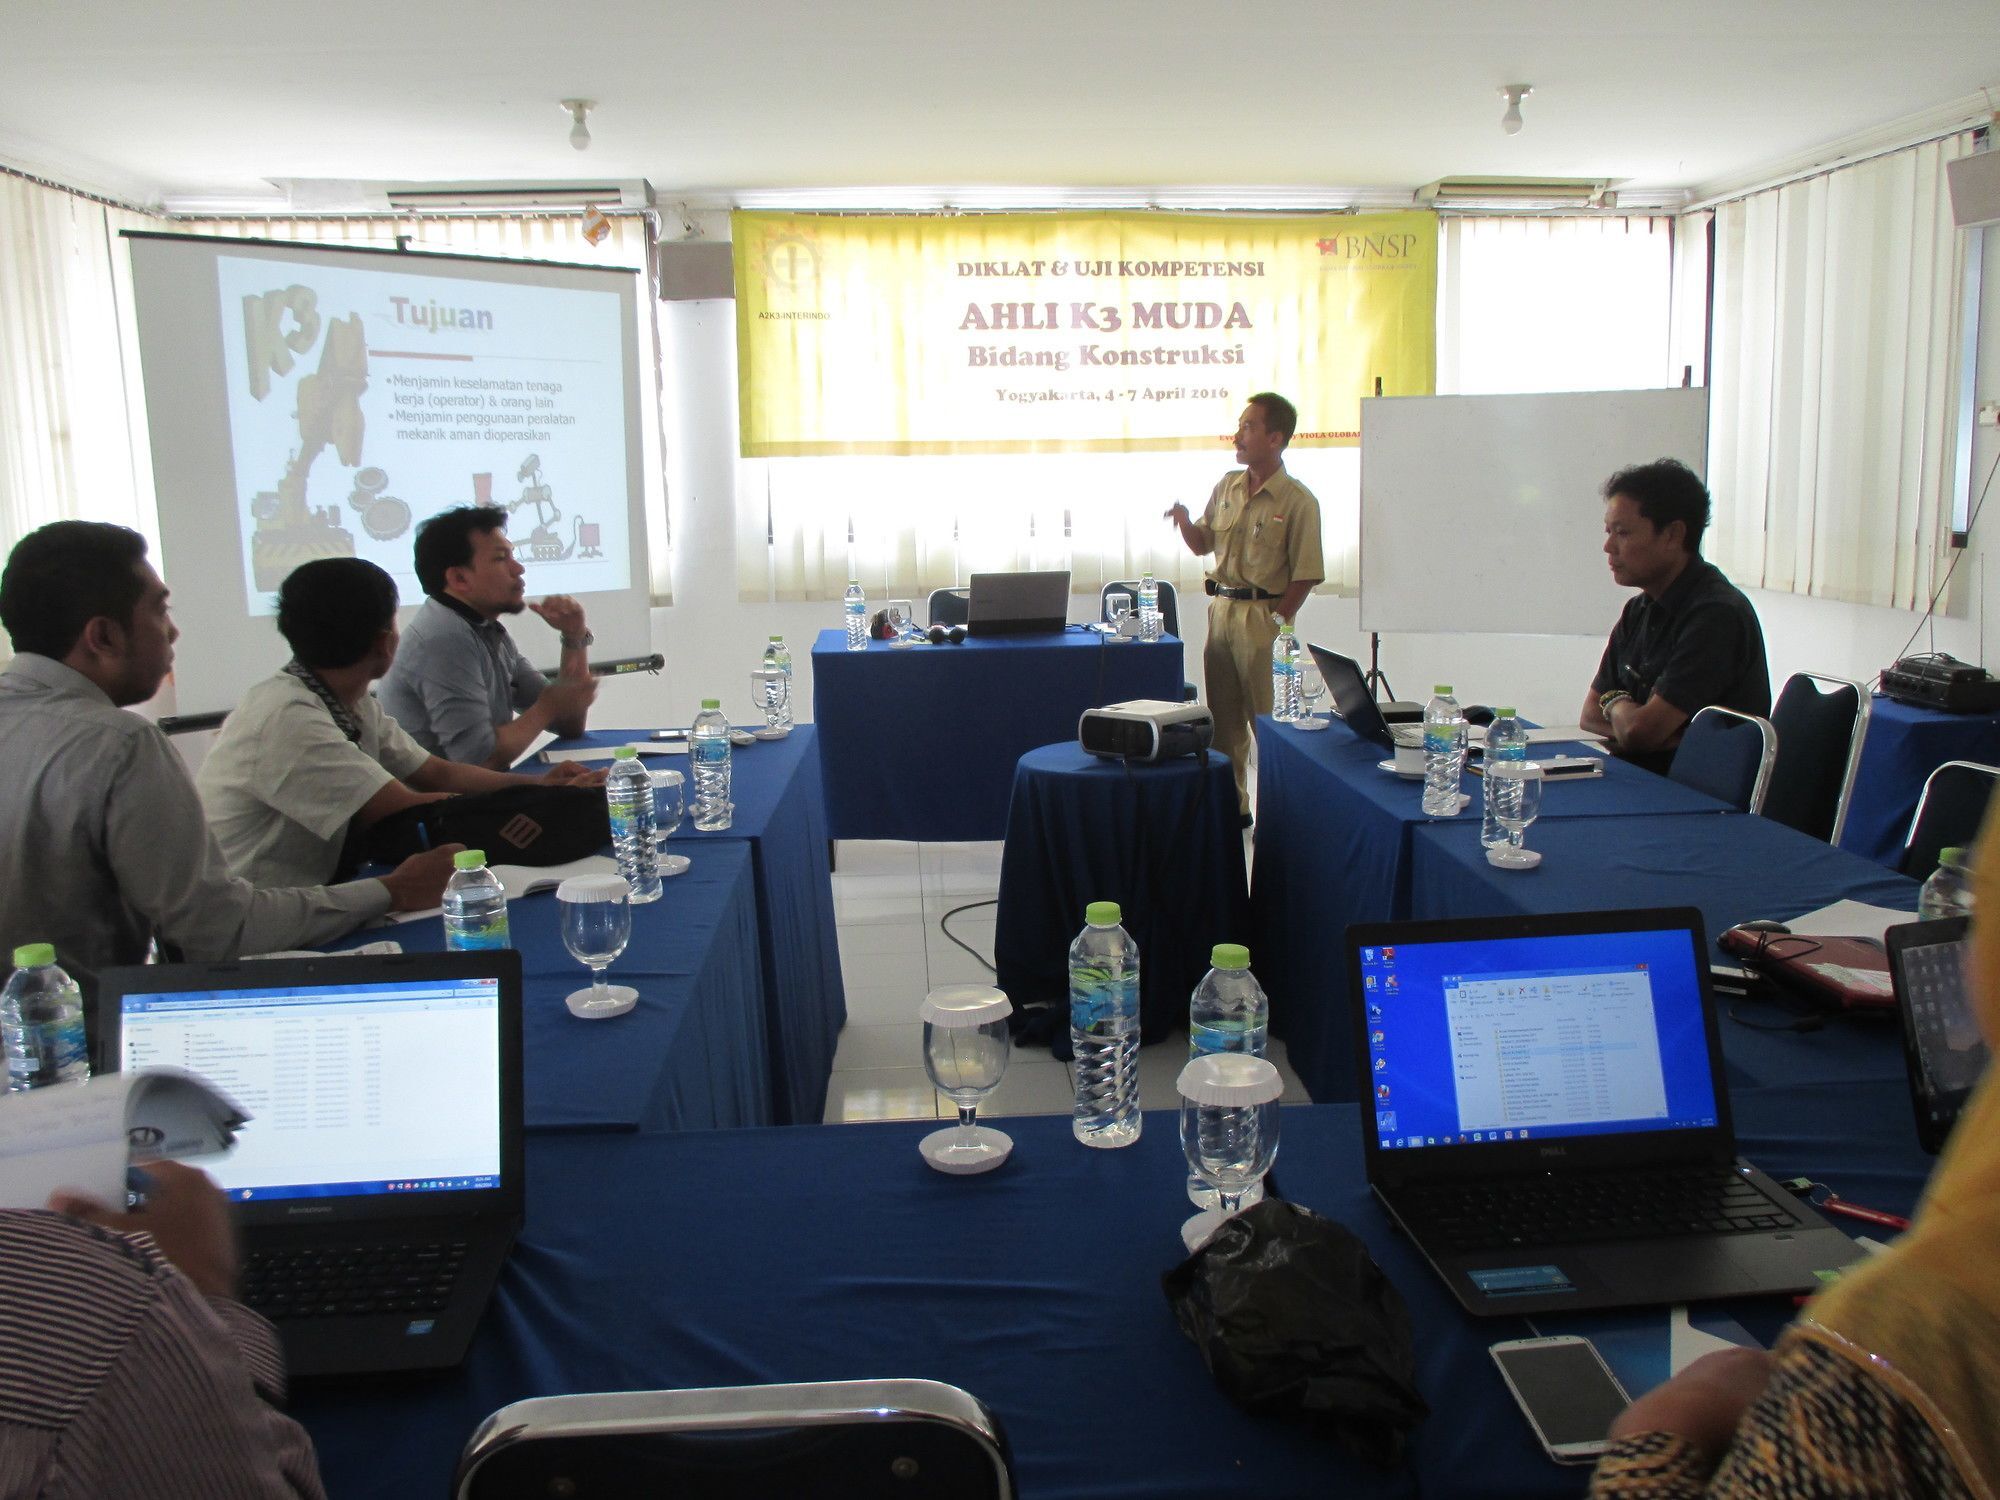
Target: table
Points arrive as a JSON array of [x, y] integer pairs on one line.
[[920, 743], [823, 1253], [693, 1054], [1905, 744], [1734, 869], [779, 814], [1164, 841], [1333, 847]]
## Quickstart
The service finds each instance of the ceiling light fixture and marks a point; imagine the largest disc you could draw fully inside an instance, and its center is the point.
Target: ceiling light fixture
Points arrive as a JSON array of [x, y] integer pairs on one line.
[[1514, 93], [579, 131]]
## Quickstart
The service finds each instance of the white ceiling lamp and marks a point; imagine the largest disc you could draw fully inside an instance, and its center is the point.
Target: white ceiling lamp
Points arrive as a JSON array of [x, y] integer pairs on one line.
[[1514, 93], [579, 130]]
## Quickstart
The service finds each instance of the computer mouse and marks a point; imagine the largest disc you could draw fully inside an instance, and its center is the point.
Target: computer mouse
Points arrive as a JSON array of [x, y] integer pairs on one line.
[[1778, 929]]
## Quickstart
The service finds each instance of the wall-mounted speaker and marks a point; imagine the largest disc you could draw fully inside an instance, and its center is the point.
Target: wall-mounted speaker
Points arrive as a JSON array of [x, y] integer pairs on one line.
[[1975, 188], [696, 270]]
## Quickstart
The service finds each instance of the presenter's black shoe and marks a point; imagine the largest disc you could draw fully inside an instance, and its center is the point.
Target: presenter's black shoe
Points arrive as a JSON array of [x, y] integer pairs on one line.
[[1248, 820]]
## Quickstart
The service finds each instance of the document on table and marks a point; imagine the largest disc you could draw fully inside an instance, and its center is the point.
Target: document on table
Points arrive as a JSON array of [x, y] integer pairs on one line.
[[606, 752], [1849, 919], [535, 747], [525, 880], [81, 1136]]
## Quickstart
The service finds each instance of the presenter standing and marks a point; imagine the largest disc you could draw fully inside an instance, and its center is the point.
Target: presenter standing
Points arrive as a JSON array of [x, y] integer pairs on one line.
[[1263, 527]]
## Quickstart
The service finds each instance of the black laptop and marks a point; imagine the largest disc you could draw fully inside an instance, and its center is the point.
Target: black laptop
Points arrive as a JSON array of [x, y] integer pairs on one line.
[[378, 1184], [1355, 705], [1942, 1048], [1551, 1121], [1018, 603]]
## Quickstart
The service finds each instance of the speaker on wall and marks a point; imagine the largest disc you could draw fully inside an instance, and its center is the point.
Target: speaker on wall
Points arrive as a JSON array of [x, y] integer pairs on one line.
[[1975, 188], [696, 270]]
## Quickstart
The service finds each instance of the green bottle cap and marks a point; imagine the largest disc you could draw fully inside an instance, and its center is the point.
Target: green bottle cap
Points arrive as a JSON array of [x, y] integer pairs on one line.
[[469, 859], [1505, 713], [1102, 914], [1443, 690], [1945, 857], [1229, 956], [708, 703], [34, 955], [625, 752], [779, 639]]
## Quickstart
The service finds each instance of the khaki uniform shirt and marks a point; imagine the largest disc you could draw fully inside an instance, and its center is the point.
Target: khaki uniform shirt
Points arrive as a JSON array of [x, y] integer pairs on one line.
[[1265, 541]]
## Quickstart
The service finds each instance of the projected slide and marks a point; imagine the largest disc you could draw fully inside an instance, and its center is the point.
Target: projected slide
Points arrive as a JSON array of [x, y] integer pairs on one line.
[[363, 401], [1555, 1049]]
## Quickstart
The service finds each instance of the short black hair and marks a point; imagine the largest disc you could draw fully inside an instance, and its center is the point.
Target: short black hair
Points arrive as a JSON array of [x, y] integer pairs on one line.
[[445, 541], [1665, 491], [331, 611], [1279, 414], [62, 576]]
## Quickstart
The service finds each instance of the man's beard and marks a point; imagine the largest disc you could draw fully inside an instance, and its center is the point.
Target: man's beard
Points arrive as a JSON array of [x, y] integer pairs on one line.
[[514, 606]]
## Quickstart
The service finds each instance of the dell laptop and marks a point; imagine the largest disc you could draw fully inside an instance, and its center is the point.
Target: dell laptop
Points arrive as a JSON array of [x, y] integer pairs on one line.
[[1355, 704], [1018, 603], [1943, 1050], [378, 1184], [1552, 1126]]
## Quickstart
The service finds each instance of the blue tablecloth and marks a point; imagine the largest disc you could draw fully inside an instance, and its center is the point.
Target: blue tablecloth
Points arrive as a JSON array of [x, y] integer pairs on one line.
[[779, 814], [692, 1055], [920, 743], [1163, 841], [1904, 745], [826, 1253], [1333, 847], [1734, 869]]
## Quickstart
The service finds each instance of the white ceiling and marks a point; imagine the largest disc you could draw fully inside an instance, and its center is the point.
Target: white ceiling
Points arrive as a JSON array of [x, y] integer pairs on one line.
[[211, 96]]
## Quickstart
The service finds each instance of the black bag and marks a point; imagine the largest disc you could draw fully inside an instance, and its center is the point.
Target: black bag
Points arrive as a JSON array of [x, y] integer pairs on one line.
[[518, 825], [1294, 1319]]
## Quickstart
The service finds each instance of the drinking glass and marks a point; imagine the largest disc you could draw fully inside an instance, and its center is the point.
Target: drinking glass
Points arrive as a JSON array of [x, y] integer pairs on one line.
[[966, 1048], [902, 617], [770, 689], [669, 807], [1117, 608], [1229, 1131], [1312, 688], [1517, 801], [596, 926]]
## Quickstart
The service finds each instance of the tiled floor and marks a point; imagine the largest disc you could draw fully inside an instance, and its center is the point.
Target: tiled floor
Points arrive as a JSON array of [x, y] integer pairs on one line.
[[888, 899]]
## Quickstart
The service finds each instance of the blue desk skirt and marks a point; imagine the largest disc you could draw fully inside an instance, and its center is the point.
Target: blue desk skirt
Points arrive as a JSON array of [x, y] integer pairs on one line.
[[1904, 745], [1163, 841], [920, 743], [833, 1253], [692, 1055]]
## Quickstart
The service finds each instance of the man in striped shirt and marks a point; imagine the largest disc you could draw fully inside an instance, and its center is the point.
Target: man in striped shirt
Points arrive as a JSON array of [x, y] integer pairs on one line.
[[127, 1367]]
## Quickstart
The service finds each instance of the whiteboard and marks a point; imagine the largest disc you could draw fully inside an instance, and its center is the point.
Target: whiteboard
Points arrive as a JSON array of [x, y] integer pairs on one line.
[[1484, 513]]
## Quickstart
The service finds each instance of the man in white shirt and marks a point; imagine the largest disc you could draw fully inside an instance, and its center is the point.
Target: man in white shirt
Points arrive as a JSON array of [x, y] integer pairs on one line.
[[309, 757]]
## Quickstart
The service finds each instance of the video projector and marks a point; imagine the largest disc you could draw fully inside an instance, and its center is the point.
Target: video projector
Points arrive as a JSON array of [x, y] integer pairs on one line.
[[1146, 729]]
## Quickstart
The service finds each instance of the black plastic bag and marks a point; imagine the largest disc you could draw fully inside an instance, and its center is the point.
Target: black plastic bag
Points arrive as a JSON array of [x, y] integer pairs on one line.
[[1294, 1319]]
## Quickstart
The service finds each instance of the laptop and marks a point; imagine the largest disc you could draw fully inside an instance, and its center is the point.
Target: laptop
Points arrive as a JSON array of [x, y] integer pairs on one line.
[[1942, 1048], [1355, 705], [1018, 603], [378, 1184], [1552, 1124]]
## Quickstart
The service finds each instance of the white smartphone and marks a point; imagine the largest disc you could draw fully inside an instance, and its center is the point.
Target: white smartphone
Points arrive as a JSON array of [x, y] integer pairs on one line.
[[1566, 1391]]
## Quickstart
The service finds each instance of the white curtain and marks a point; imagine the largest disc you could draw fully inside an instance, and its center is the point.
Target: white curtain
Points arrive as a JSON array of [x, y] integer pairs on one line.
[[1836, 351]]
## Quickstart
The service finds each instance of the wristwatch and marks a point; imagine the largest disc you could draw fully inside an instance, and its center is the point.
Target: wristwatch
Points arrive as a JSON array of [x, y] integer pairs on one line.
[[578, 643]]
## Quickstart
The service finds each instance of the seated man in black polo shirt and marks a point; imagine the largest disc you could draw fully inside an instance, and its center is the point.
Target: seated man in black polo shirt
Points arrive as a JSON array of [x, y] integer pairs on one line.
[[1690, 639]]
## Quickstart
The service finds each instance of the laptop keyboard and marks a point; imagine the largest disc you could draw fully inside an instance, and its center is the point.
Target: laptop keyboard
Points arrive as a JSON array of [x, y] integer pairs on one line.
[[332, 1281], [1624, 1205]]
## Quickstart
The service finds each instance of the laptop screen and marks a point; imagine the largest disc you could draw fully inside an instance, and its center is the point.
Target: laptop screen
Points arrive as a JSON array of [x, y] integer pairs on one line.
[[1481, 1039], [357, 1088]]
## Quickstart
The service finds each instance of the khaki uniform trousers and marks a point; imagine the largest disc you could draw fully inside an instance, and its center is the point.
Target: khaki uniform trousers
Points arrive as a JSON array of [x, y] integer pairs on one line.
[[1236, 668]]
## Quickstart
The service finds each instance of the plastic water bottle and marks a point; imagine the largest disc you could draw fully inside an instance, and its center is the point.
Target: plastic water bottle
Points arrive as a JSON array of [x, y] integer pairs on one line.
[[708, 747], [1104, 1029], [1228, 1012], [1444, 752], [778, 658], [1286, 705], [1149, 608], [1948, 892], [1506, 740], [475, 905], [628, 793], [41, 1020], [857, 616]]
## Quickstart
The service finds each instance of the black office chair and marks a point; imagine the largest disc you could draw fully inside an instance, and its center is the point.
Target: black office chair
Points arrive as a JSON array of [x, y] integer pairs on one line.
[[842, 1440], [1821, 723], [1948, 815], [950, 606], [1727, 755], [1170, 616]]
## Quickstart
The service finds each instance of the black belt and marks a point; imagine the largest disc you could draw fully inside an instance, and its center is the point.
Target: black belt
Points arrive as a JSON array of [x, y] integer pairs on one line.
[[1220, 592]]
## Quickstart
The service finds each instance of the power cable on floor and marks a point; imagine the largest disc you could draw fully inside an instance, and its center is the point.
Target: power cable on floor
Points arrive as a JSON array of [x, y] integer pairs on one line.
[[969, 906]]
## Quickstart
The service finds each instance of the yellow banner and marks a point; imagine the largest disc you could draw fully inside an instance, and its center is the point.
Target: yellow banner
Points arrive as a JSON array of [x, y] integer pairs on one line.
[[1015, 333]]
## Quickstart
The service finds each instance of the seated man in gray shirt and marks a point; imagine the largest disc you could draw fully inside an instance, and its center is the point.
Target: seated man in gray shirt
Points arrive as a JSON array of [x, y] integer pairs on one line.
[[459, 681], [103, 846], [309, 754]]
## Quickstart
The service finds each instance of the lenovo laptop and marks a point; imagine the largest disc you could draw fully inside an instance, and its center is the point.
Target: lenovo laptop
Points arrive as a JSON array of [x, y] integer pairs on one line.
[[378, 1184], [1551, 1122], [1942, 1048], [1018, 603], [1355, 705]]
